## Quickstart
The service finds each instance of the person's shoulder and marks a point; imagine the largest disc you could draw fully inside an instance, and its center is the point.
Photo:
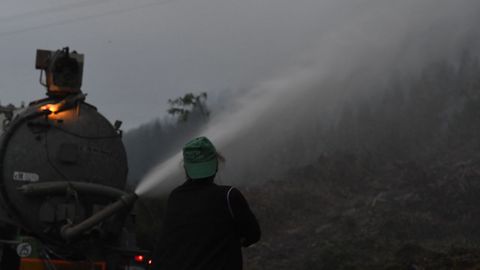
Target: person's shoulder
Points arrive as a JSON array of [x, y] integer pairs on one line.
[[224, 187], [230, 191], [176, 189], [180, 188], [221, 189]]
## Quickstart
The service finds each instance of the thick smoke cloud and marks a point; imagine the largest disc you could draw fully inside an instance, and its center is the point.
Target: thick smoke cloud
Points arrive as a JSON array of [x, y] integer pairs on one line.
[[363, 44]]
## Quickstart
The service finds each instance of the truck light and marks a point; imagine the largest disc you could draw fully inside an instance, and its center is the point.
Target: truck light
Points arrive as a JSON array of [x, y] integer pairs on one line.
[[139, 258], [149, 262], [50, 107], [64, 105]]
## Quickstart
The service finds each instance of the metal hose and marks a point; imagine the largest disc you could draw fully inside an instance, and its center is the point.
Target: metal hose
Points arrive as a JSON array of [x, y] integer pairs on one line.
[[70, 232]]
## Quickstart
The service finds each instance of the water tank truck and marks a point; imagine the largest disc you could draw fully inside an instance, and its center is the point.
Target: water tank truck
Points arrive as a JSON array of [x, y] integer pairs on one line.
[[63, 170]]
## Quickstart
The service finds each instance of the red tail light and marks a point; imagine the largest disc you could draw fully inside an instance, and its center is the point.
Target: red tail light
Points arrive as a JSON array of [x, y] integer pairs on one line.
[[139, 258], [149, 262]]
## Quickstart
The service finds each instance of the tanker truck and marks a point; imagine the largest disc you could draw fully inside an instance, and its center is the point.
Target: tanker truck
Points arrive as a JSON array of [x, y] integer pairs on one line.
[[63, 171]]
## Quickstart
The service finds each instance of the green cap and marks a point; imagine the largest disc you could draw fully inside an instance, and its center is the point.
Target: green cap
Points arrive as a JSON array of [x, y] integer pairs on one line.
[[200, 158]]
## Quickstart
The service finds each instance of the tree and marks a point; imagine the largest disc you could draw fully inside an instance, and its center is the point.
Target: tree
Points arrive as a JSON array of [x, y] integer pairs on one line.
[[188, 104]]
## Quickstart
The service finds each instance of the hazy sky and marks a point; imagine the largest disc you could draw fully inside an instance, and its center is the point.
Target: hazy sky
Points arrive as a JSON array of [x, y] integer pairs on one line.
[[141, 53]]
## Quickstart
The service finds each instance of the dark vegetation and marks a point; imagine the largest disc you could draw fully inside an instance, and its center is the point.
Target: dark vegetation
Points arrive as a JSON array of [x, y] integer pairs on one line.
[[395, 187]]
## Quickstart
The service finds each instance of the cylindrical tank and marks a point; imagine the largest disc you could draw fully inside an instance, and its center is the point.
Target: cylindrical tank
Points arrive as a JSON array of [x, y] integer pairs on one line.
[[66, 147]]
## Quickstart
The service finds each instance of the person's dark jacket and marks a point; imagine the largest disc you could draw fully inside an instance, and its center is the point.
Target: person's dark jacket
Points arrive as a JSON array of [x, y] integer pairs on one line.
[[204, 228]]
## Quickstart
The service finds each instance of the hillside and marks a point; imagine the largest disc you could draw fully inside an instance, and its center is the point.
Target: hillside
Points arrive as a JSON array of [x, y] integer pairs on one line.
[[397, 187], [338, 214]]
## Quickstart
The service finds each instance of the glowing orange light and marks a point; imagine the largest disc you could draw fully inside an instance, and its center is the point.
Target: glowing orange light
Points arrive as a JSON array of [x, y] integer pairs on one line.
[[149, 262], [50, 107], [138, 258]]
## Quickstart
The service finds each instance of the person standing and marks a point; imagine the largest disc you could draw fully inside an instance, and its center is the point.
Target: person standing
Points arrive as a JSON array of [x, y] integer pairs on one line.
[[205, 224]]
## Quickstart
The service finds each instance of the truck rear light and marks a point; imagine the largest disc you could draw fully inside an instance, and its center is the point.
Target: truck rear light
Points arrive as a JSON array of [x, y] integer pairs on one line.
[[139, 258]]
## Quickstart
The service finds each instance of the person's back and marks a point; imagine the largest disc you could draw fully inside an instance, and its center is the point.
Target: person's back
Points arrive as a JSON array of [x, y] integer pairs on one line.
[[205, 226]]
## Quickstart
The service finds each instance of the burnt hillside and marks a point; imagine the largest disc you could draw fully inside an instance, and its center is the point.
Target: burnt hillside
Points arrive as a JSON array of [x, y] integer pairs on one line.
[[339, 214], [397, 187]]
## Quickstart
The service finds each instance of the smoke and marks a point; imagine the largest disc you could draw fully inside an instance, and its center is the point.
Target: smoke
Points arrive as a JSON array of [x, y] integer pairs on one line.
[[276, 124]]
